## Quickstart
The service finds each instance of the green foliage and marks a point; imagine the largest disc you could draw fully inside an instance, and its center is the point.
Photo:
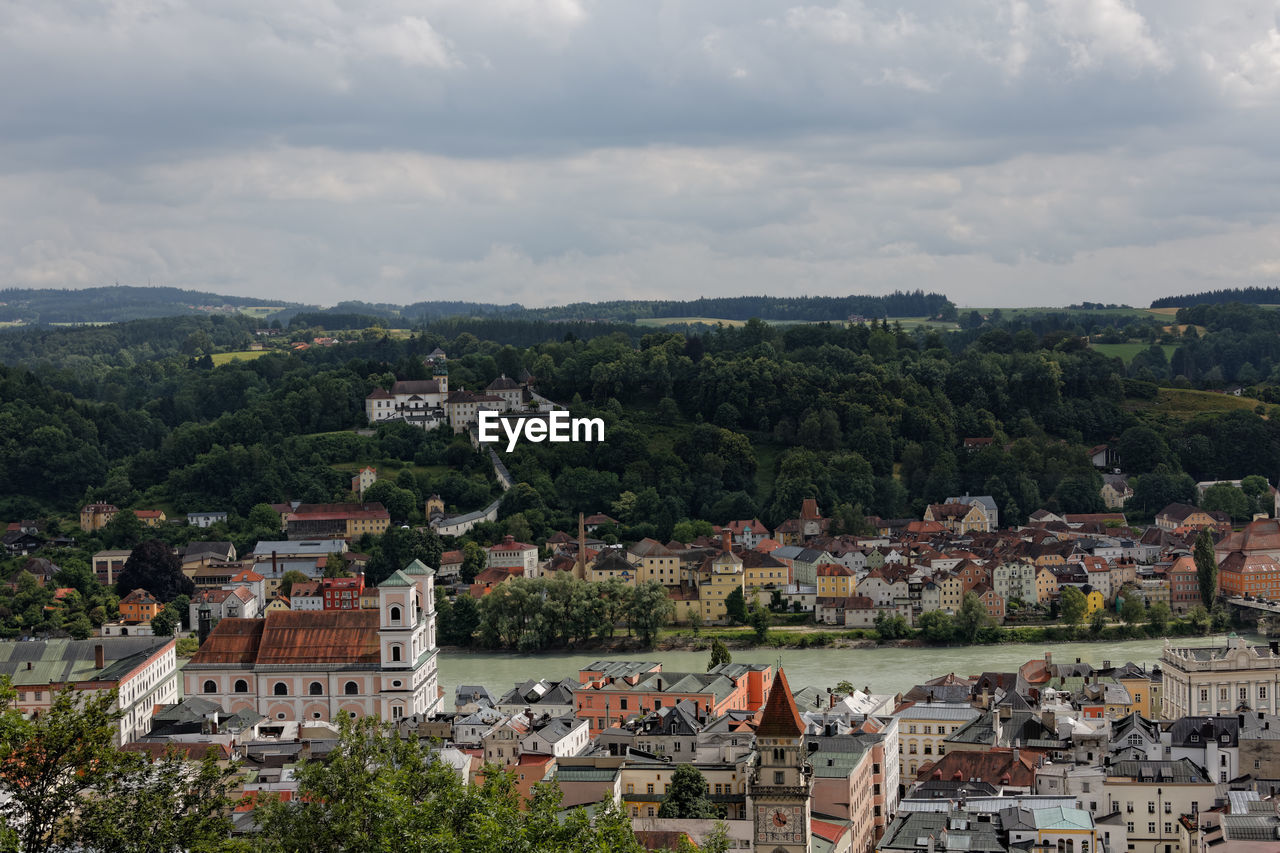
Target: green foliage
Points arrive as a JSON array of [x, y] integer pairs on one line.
[[891, 626], [971, 618], [687, 796], [1158, 616], [378, 791], [719, 654], [937, 627], [1206, 568], [153, 566], [1224, 497], [759, 618], [1133, 609], [1074, 604], [735, 606], [291, 577]]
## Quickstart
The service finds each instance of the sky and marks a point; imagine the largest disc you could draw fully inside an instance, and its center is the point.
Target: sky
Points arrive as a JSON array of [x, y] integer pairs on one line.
[[1003, 152]]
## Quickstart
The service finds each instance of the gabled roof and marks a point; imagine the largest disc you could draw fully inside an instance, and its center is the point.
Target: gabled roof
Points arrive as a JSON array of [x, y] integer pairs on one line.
[[780, 718]]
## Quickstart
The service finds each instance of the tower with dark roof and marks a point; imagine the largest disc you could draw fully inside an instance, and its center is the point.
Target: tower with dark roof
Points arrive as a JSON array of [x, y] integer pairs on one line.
[[781, 783]]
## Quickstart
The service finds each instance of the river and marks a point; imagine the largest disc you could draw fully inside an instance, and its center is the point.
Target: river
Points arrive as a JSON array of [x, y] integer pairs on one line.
[[884, 670]]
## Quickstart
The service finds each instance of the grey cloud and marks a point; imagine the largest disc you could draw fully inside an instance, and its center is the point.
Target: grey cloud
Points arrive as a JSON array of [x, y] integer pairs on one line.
[[548, 150]]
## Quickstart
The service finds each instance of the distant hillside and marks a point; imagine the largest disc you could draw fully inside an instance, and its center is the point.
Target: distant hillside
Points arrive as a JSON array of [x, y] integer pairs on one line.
[[113, 304], [1246, 295], [120, 303]]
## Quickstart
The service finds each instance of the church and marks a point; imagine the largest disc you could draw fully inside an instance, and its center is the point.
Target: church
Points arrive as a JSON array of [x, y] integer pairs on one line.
[[325, 664]]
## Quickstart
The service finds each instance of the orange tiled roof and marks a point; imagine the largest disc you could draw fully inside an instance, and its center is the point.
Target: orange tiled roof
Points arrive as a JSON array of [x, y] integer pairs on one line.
[[780, 717]]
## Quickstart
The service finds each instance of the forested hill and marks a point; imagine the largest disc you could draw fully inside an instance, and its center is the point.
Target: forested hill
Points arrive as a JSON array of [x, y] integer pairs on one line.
[[1245, 295], [112, 304], [121, 303]]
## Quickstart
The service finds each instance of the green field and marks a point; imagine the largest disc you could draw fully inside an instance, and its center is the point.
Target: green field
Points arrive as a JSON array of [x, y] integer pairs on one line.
[[1126, 352], [677, 321], [1011, 313], [1185, 404], [242, 355], [261, 311]]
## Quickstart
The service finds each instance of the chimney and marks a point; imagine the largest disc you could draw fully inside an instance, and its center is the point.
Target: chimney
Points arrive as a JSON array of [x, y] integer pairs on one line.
[[725, 540], [1048, 658], [99, 656]]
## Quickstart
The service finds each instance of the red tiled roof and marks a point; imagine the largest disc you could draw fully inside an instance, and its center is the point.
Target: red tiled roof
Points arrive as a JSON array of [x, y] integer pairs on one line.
[[989, 765], [295, 637], [780, 717]]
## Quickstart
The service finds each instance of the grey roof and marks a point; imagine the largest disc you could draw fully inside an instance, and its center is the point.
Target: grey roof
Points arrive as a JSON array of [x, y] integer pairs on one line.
[[1182, 770], [911, 830], [313, 547], [465, 693], [59, 661], [1182, 731]]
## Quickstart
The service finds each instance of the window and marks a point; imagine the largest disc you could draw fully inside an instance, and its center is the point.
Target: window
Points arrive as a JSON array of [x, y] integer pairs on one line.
[[210, 687], [1168, 827], [650, 811], [351, 688], [395, 615], [1151, 827], [631, 788], [779, 777], [395, 653], [397, 712], [1168, 808], [242, 686], [1129, 827], [1262, 691], [1151, 808], [1204, 695], [648, 789], [281, 689], [1244, 694]]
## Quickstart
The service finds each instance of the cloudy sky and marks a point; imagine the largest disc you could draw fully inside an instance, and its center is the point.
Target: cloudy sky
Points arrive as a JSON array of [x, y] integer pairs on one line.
[[1006, 152]]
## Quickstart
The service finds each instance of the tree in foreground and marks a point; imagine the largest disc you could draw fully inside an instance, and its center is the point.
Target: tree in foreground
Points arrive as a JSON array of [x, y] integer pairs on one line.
[[1133, 609], [1158, 616], [65, 785], [687, 795], [377, 791]]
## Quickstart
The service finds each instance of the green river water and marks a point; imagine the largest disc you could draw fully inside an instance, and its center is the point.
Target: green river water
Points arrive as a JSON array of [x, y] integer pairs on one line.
[[884, 670]]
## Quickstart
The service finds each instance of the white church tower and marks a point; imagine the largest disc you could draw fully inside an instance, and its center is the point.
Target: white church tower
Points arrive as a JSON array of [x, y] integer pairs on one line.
[[407, 643]]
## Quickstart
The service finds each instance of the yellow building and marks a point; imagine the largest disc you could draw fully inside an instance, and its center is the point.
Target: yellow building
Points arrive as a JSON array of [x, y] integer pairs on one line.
[[950, 592], [761, 570], [613, 565], [151, 517], [719, 576], [835, 581], [655, 562], [1095, 603], [95, 516], [1046, 585]]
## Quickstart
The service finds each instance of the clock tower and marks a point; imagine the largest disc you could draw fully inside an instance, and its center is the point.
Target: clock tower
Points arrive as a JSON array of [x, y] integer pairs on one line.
[[780, 784]]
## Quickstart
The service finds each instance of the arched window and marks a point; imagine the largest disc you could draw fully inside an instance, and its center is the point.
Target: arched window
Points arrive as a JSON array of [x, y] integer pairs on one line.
[[210, 687], [395, 653], [351, 688], [317, 688], [242, 686], [395, 615], [281, 689]]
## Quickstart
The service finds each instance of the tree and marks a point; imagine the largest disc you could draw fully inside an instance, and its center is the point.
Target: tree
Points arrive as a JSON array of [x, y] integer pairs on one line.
[[971, 618], [175, 804], [1097, 622], [844, 688], [651, 608], [937, 626], [1198, 616], [735, 606], [335, 566], [153, 566], [759, 618], [264, 516], [1206, 568], [1141, 449], [891, 626], [164, 622], [719, 654], [1224, 497], [50, 763], [1158, 617], [466, 619], [1074, 604], [124, 530], [695, 621], [473, 561], [687, 796], [1132, 608], [291, 577]]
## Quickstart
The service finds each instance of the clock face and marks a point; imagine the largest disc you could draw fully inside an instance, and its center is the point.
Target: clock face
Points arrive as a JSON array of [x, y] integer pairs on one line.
[[778, 824]]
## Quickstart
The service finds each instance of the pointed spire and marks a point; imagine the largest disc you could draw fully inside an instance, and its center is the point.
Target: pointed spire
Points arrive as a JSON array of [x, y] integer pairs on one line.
[[780, 717]]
